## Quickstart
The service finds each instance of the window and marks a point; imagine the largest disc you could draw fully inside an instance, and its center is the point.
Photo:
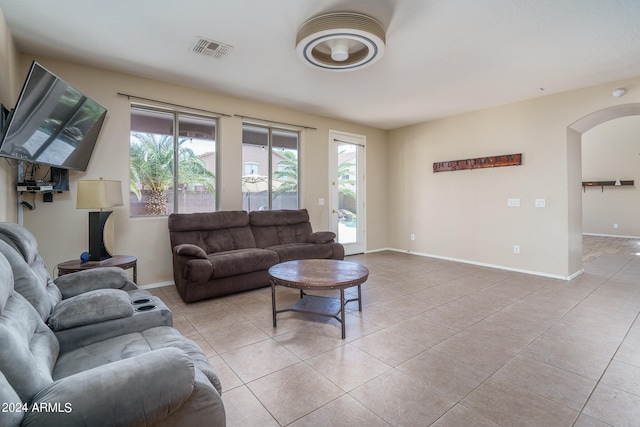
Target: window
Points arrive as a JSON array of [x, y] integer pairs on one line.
[[172, 162], [251, 168], [270, 158]]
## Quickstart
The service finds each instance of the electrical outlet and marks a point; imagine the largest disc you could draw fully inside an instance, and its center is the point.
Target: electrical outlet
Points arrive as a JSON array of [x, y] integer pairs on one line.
[[321, 202], [615, 225], [412, 237], [516, 249]]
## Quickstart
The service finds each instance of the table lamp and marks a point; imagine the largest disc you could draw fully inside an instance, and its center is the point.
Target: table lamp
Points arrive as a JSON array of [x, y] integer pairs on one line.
[[99, 194]]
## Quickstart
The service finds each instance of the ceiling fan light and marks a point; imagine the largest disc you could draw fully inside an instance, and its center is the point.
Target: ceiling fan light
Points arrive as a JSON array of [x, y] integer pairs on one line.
[[619, 92], [340, 51], [342, 41]]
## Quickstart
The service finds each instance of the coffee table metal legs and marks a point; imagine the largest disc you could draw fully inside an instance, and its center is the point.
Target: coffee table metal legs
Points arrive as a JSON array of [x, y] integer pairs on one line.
[[300, 307], [273, 302], [343, 303]]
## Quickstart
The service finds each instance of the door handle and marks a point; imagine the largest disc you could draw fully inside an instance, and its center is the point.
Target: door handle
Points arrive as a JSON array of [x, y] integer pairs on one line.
[[335, 211]]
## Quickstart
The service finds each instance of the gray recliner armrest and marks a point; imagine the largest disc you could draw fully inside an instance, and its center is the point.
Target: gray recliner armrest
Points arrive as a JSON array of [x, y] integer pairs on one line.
[[90, 307], [142, 390], [97, 278]]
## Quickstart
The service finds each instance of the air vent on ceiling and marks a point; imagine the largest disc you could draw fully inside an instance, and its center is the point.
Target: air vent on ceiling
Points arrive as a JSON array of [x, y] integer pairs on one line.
[[211, 48]]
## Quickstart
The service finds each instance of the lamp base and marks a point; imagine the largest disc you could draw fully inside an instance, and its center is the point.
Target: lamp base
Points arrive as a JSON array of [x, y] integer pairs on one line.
[[98, 250]]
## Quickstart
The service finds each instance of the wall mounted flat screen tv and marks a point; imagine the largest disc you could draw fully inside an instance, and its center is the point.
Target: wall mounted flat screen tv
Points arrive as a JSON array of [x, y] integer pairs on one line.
[[53, 123]]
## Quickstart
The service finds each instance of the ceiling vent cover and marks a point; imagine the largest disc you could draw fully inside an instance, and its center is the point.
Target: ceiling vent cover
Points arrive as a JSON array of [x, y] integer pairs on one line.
[[342, 41], [207, 47]]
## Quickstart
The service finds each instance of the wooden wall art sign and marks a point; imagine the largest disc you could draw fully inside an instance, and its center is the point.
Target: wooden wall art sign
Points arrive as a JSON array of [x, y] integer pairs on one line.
[[479, 163]]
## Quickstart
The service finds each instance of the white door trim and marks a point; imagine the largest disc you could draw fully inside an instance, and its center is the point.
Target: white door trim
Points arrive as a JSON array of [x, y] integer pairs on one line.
[[336, 137]]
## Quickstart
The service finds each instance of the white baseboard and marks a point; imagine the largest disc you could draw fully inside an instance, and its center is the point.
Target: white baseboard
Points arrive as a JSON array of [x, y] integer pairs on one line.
[[611, 235], [576, 274], [378, 250], [482, 264], [157, 285]]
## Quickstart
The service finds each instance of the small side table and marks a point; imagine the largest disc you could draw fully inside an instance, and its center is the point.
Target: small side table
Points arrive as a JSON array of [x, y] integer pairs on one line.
[[123, 261]]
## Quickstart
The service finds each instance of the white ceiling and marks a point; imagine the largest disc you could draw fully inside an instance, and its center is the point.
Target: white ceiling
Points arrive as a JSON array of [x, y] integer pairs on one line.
[[443, 57]]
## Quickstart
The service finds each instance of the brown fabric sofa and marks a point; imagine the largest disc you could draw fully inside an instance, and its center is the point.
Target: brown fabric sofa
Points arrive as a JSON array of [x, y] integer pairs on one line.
[[219, 253]]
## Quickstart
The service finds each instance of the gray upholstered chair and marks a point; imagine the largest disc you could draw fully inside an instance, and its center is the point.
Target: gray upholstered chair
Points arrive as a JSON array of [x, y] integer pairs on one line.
[[82, 307], [154, 377]]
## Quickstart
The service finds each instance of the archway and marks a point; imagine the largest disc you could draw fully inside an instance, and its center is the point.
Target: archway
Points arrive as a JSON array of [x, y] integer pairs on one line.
[[574, 173]]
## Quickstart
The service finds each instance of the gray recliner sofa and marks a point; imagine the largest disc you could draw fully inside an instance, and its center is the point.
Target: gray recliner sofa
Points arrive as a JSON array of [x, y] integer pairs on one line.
[[83, 307], [154, 377]]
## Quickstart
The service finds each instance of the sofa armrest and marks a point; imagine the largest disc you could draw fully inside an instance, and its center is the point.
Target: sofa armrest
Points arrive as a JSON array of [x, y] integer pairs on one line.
[[90, 307], [321, 237], [198, 271], [189, 250], [141, 390], [97, 278]]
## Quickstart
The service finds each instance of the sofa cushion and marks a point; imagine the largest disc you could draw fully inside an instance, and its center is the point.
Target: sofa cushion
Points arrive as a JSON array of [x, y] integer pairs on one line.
[[91, 307], [212, 231], [297, 251], [79, 282], [228, 239], [281, 227], [28, 282], [25, 243], [242, 261], [6, 282], [28, 349], [131, 345], [207, 221], [11, 416], [21, 240], [278, 217], [139, 391]]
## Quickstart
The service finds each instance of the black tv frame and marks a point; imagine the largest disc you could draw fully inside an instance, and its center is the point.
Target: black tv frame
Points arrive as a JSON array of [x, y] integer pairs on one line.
[[92, 133]]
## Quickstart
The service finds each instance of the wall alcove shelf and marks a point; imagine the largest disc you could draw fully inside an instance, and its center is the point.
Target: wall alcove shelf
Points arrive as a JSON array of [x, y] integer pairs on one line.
[[603, 184]]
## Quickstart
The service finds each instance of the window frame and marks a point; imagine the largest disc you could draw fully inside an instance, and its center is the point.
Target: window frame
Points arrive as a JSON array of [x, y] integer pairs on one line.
[[270, 166], [176, 115]]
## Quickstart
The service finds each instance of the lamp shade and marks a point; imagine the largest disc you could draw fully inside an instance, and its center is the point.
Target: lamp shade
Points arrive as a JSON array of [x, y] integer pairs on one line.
[[98, 194]]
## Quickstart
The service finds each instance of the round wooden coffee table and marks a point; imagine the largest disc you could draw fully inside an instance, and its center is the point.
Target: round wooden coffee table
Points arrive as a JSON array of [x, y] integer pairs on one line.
[[318, 274]]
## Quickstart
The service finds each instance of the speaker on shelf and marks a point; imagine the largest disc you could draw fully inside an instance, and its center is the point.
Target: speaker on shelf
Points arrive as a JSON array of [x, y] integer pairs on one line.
[[60, 179]]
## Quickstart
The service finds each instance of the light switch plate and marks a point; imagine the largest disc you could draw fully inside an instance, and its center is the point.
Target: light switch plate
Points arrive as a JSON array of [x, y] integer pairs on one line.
[[513, 202], [541, 203]]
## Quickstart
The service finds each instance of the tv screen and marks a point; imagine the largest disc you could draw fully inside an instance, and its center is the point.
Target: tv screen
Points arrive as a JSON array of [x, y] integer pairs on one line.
[[53, 123]]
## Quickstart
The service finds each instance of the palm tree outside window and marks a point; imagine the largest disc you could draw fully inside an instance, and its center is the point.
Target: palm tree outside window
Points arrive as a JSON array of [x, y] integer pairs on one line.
[[172, 162]]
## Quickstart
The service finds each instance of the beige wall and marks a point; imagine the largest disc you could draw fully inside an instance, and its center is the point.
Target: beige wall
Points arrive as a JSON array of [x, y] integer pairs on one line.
[[464, 215], [458, 215], [611, 151], [62, 230], [9, 88]]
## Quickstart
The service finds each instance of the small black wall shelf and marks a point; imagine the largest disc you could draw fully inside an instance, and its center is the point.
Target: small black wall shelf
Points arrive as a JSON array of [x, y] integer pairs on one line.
[[603, 184]]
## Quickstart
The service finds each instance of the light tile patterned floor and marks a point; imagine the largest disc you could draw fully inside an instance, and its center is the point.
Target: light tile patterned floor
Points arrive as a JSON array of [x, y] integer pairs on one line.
[[437, 343], [594, 246]]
